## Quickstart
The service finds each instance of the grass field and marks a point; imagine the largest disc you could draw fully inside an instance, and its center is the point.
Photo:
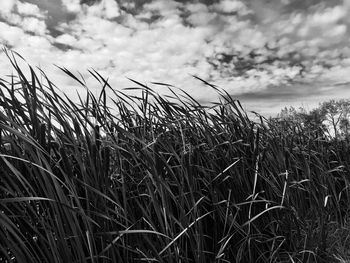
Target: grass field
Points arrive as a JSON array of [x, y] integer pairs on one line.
[[151, 178]]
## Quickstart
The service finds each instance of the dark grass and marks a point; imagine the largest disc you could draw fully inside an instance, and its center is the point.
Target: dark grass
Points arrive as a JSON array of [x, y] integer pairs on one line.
[[151, 178]]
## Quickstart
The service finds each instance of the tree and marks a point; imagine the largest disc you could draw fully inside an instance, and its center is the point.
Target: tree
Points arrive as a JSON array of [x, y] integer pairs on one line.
[[310, 122], [314, 120], [337, 116], [332, 117]]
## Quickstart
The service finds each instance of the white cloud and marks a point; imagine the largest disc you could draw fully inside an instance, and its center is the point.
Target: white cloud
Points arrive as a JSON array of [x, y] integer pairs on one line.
[[26, 16], [337, 31], [196, 7], [111, 9], [34, 25], [201, 18], [10, 35], [7, 6], [72, 6], [107, 9], [328, 16], [13, 10], [38, 42], [266, 12], [66, 39], [324, 27], [252, 38], [28, 9], [13, 18], [164, 7]]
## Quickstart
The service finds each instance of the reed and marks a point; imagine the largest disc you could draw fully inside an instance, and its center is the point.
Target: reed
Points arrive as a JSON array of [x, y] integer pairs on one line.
[[129, 178]]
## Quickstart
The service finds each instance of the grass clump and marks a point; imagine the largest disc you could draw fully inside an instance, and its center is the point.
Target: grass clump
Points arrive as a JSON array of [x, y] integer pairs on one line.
[[162, 179]]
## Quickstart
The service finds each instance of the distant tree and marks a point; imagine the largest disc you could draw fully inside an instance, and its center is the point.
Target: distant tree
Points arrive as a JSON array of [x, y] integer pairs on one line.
[[331, 117], [337, 113], [288, 114], [311, 122], [345, 127]]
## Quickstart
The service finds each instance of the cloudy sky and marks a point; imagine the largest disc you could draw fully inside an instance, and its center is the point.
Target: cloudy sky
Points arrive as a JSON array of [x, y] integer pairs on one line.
[[267, 53]]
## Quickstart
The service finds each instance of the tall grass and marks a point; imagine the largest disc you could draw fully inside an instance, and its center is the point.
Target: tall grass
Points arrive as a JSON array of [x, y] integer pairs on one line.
[[152, 178]]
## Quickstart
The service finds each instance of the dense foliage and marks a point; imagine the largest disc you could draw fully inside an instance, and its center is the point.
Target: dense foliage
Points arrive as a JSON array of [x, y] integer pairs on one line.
[[163, 179], [331, 117]]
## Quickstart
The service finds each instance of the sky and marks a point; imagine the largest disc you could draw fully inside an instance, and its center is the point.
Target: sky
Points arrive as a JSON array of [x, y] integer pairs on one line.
[[267, 53]]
